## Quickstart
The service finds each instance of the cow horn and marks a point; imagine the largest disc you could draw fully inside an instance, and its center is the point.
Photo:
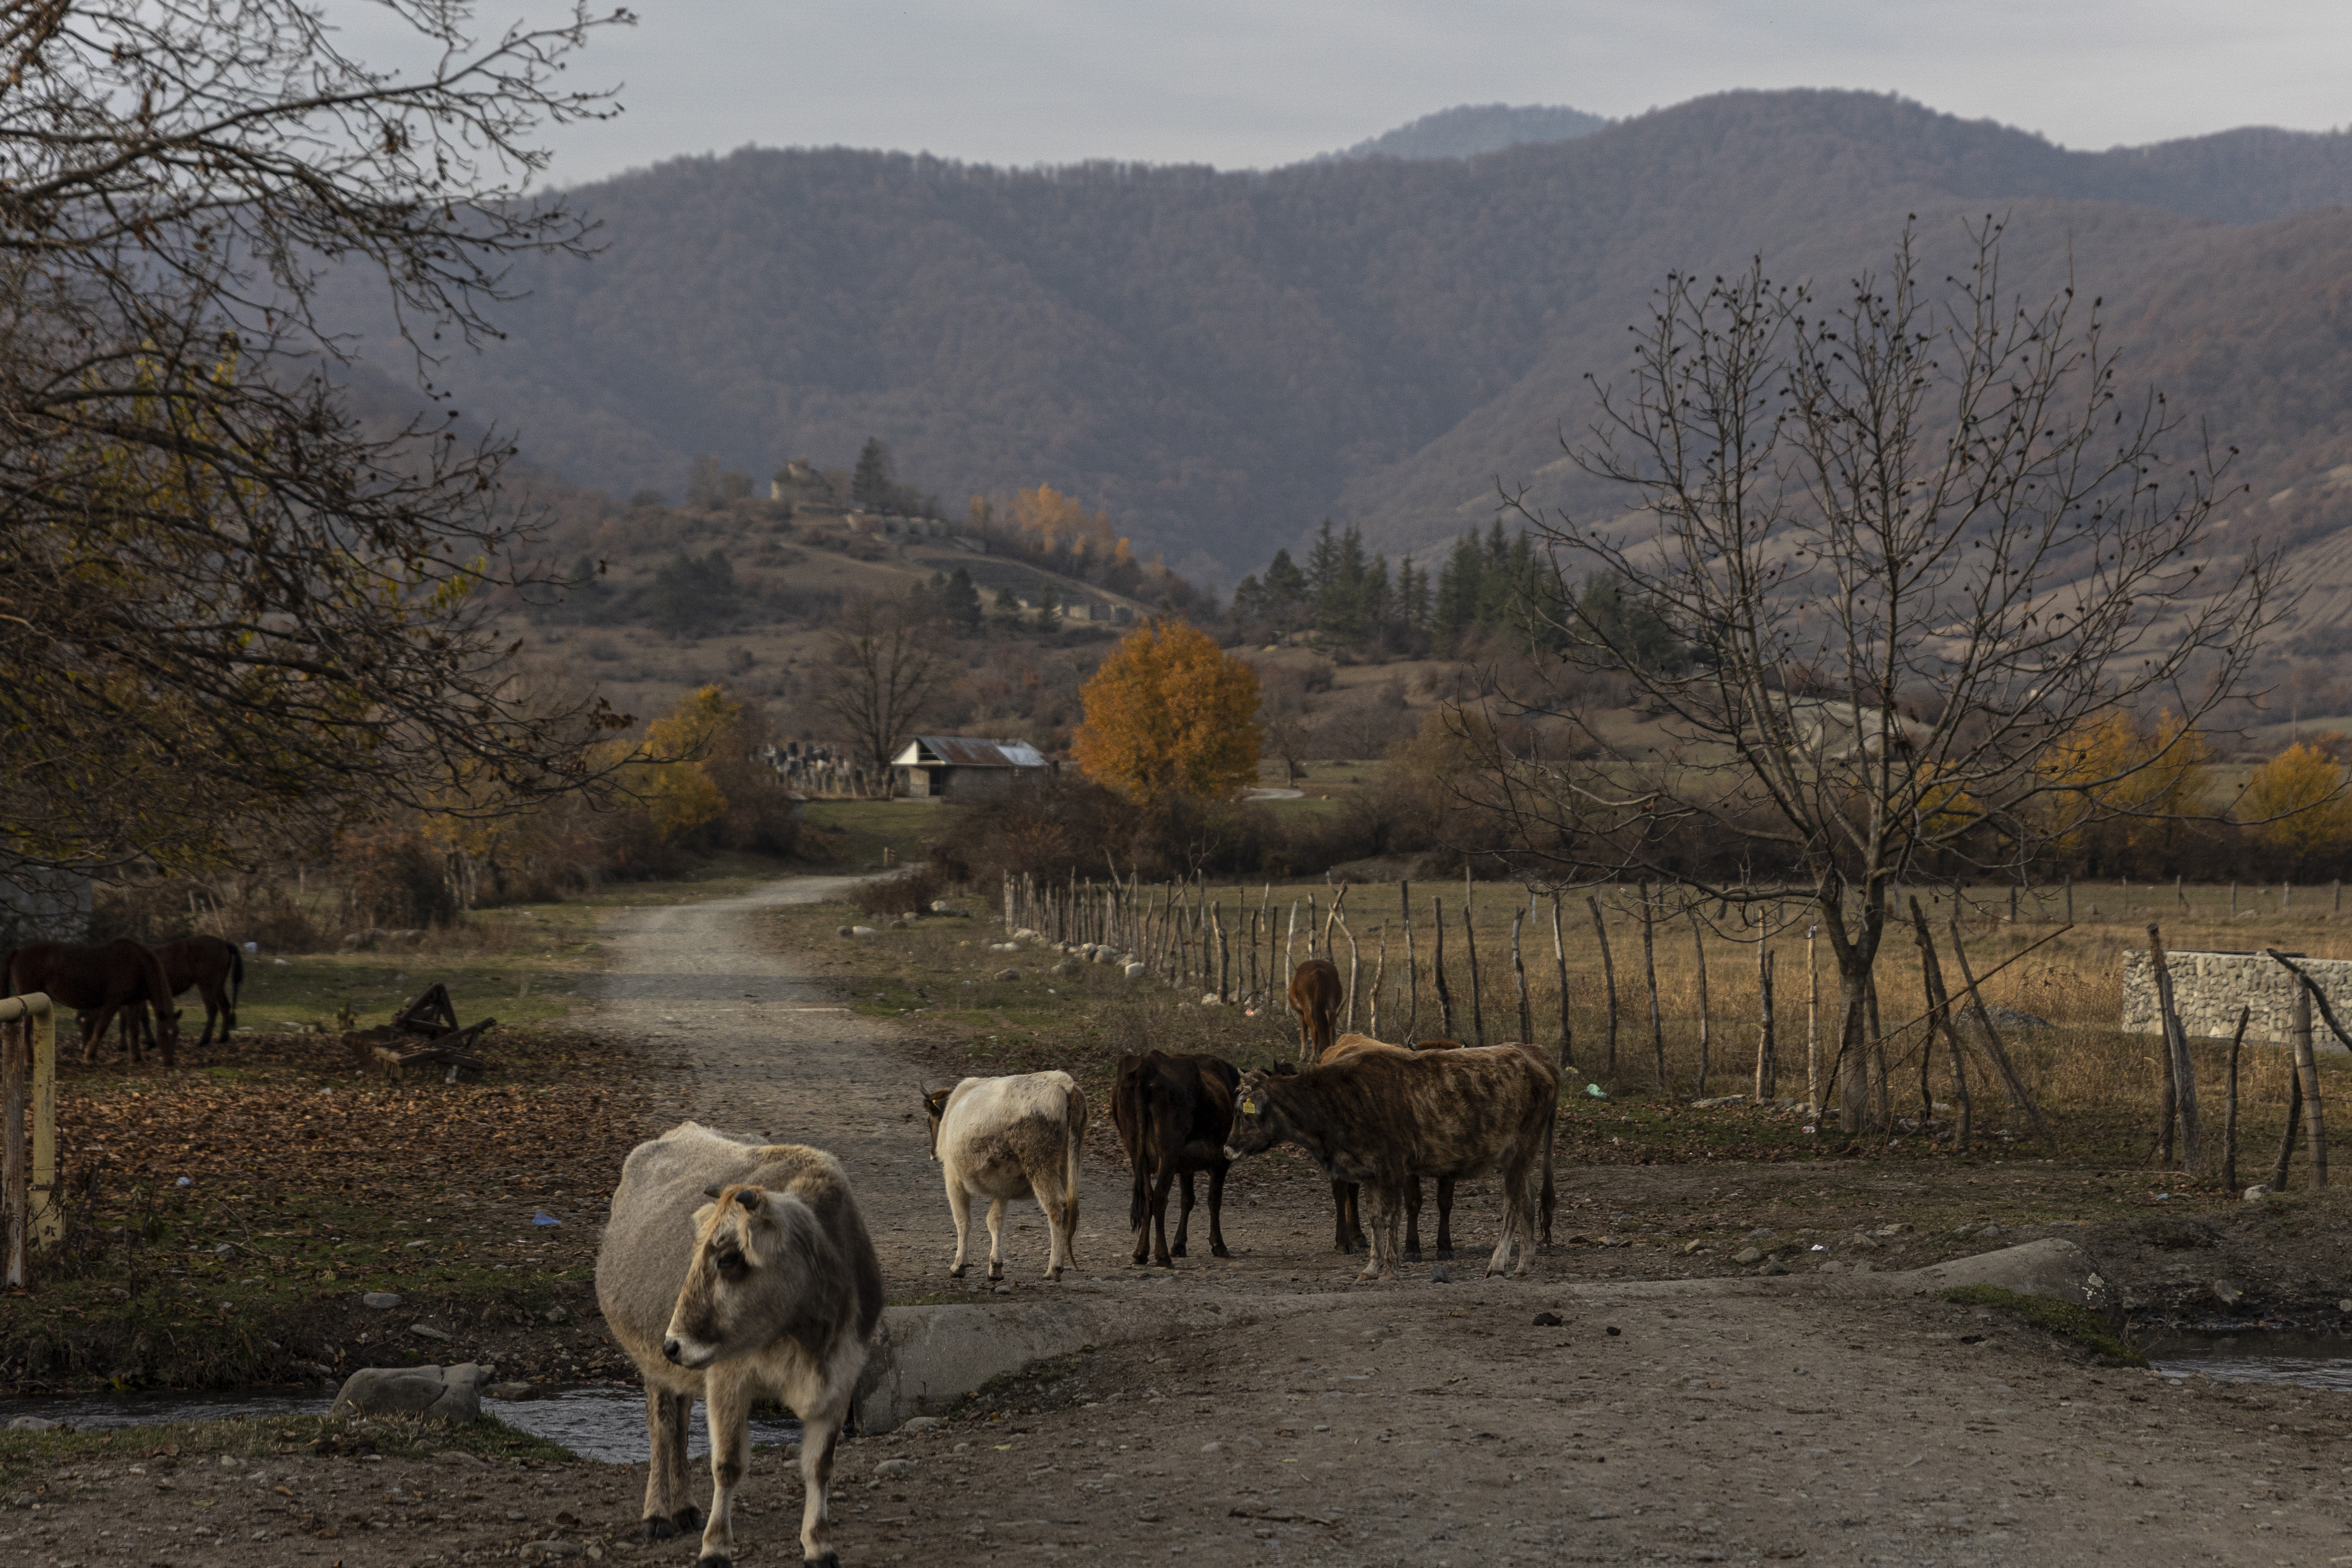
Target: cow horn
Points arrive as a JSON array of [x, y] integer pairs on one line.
[[710, 1192], [749, 1197]]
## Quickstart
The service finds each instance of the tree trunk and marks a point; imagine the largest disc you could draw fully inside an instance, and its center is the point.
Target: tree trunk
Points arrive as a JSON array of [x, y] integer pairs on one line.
[[2293, 1128], [1939, 1008]]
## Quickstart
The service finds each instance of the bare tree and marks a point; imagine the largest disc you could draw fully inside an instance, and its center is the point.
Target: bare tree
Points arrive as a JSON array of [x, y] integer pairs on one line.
[[885, 672], [222, 596], [1915, 548]]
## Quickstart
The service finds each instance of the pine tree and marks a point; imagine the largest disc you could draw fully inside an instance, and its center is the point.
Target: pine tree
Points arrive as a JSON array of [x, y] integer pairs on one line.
[[1285, 585], [1461, 586], [871, 487], [959, 601], [1322, 569]]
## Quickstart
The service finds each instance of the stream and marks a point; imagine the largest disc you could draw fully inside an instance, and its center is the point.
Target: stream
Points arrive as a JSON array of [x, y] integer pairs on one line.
[[2309, 1358], [595, 1422]]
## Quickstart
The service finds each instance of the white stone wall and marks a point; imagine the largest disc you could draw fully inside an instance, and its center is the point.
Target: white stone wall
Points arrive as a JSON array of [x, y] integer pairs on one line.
[[2209, 988]]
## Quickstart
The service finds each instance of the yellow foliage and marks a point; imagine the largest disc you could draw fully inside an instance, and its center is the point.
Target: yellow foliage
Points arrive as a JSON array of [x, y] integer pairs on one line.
[[1169, 713], [680, 796], [2147, 777], [1056, 522], [2303, 789]]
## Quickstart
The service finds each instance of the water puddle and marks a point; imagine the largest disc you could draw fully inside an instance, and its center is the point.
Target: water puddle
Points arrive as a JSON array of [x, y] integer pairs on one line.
[[2307, 1358], [595, 1423]]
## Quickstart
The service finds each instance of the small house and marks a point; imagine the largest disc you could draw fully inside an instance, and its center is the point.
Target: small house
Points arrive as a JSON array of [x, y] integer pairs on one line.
[[949, 766]]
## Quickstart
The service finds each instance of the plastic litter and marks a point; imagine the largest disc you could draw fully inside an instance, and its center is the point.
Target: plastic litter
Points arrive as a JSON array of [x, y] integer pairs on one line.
[[541, 1216], [183, 1181], [1596, 1091], [253, 947]]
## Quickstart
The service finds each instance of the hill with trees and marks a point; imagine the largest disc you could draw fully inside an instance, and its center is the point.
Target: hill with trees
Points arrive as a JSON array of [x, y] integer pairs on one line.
[[1221, 360], [1469, 128]]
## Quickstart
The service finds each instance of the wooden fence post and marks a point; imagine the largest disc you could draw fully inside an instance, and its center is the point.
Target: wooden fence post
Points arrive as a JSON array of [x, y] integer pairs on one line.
[[1412, 966], [1812, 1022], [1768, 1066], [1348, 932], [2306, 1073], [1477, 1002], [1650, 971], [1560, 957], [1519, 978], [1437, 961], [1217, 920], [2230, 1112], [1608, 982], [1939, 1014], [1698, 946], [2017, 1094], [2176, 1044], [1379, 973]]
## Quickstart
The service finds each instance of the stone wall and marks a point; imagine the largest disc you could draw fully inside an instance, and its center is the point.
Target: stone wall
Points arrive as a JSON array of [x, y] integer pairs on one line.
[[2209, 988]]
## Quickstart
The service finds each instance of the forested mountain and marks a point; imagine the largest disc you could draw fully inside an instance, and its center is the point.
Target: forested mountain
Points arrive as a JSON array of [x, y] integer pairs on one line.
[[1221, 360], [1470, 129]]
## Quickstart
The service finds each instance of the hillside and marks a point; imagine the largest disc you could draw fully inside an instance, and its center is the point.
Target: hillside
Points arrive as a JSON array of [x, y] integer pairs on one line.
[[1470, 129], [1223, 359]]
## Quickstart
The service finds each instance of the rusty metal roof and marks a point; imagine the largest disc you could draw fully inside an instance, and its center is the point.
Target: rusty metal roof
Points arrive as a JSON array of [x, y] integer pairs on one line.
[[970, 751]]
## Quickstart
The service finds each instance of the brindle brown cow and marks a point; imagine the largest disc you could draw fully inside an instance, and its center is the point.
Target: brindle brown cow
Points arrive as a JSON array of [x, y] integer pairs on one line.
[[1315, 995], [1381, 1116], [1172, 1112], [1347, 1197], [98, 982]]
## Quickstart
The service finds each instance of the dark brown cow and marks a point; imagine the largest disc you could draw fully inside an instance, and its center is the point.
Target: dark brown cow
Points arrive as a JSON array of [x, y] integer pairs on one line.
[[1381, 1117], [1173, 1114], [214, 965], [98, 982], [1315, 995]]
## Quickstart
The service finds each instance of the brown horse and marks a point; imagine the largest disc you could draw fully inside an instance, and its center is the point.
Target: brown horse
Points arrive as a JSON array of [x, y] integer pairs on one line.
[[214, 965], [98, 982]]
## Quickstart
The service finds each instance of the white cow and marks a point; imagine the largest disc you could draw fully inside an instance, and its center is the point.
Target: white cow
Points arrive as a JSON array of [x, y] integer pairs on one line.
[[1004, 1138], [734, 1271]]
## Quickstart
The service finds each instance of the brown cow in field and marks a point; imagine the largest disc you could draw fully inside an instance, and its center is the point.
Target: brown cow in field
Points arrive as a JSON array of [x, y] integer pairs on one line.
[[1316, 995], [98, 982], [1172, 1112], [1381, 1117]]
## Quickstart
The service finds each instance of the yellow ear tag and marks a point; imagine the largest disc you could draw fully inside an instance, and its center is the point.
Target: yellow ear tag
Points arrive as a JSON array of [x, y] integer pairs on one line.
[[1249, 1106]]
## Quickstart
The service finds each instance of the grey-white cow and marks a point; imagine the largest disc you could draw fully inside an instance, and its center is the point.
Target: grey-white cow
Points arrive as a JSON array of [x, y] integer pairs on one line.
[[1001, 1139], [734, 1271]]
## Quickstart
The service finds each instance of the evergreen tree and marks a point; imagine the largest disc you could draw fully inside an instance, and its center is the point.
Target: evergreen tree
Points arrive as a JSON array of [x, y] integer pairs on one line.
[[869, 487], [1250, 600], [691, 594], [1285, 585], [1413, 596], [958, 602], [1322, 571], [1461, 587]]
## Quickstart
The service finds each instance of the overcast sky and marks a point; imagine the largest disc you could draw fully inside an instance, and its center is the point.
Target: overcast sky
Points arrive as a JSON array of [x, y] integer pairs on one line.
[[1270, 82]]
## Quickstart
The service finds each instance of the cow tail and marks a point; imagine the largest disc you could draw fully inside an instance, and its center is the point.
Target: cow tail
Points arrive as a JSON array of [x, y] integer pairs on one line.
[[236, 973], [1077, 1142], [1137, 1132], [8, 973]]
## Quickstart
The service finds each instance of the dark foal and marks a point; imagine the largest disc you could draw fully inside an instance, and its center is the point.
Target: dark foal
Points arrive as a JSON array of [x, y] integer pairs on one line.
[[98, 982]]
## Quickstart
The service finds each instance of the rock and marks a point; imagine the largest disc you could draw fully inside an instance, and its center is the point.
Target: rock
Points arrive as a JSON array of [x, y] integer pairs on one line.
[[1749, 1254], [1212, 1447], [1440, 1276], [942, 907], [862, 930], [1761, 1233], [842, 931], [427, 1331], [1006, 974], [1133, 971], [380, 1300], [1548, 1320], [2228, 1293], [437, 1394], [364, 940], [1775, 1267], [1208, 999], [2257, 1192], [1719, 1100], [2051, 1267], [541, 1550], [894, 1467], [1063, 969], [921, 1424], [35, 1424], [511, 1390]]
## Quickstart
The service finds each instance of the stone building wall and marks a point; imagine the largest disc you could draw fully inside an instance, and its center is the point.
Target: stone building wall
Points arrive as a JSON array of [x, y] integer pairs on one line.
[[2209, 988]]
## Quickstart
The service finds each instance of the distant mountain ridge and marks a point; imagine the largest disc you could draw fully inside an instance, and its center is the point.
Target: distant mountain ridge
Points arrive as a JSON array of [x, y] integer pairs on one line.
[[1470, 129], [1224, 359]]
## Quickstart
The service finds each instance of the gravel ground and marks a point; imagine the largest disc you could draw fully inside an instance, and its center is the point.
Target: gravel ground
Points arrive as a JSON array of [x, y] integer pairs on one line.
[[1666, 1420]]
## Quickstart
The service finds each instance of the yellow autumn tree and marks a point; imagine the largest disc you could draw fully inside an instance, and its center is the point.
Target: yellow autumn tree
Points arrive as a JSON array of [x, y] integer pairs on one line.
[[2298, 798], [1169, 713], [668, 770], [2135, 784]]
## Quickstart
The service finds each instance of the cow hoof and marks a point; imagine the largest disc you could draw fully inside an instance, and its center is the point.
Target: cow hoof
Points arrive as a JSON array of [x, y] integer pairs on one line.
[[1141, 1259], [687, 1520], [1177, 1250], [1445, 1255], [830, 1560], [714, 1561], [656, 1529], [956, 1273], [1412, 1255], [1219, 1251]]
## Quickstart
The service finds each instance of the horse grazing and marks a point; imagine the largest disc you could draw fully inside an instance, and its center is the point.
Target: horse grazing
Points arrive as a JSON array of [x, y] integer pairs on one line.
[[99, 983], [214, 965], [1315, 995]]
